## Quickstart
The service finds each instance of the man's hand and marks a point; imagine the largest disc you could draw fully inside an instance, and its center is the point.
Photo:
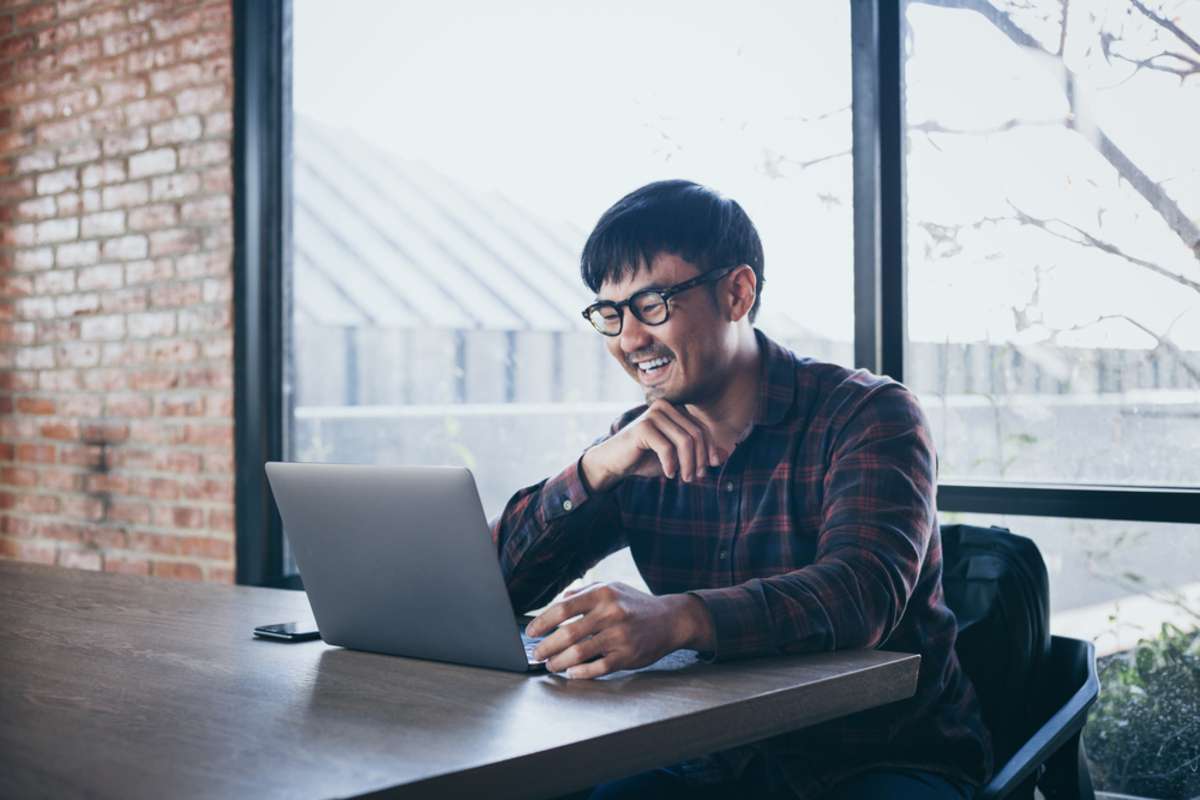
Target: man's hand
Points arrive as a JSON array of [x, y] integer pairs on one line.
[[618, 628], [664, 440]]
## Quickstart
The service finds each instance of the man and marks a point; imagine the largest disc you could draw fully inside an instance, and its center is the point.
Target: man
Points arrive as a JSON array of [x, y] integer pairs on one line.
[[774, 504]]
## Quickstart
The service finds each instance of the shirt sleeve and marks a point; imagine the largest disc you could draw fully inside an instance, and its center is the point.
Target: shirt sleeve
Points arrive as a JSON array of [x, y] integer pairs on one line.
[[878, 512], [550, 533]]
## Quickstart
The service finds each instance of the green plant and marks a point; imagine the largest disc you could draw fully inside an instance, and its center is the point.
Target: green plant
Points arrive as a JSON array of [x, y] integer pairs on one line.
[[1143, 734]]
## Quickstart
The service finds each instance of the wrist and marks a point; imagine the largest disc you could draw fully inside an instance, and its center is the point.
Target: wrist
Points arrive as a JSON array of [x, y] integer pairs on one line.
[[696, 628], [595, 478]]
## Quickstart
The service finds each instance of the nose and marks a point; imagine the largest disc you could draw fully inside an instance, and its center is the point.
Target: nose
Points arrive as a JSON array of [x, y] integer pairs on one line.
[[634, 335]]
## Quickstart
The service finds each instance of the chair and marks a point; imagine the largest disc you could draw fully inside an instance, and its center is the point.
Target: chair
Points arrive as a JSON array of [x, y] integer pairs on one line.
[[1053, 757], [1035, 689]]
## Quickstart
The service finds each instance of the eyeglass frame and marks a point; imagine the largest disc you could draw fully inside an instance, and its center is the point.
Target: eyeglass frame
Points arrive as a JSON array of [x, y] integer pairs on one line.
[[666, 294]]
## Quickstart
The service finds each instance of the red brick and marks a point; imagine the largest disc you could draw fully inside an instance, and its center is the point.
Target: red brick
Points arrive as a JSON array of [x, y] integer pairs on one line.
[[178, 570], [79, 52], [206, 547], [157, 379], [151, 110], [222, 519], [90, 456], [37, 503], [128, 405], [79, 405], [17, 476], [35, 405], [132, 512], [104, 432], [125, 248], [202, 100], [203, 153], [33, 552], [35, 453], [179, 517], [126, 565], [83, 507], [35, 15], [65, 431]]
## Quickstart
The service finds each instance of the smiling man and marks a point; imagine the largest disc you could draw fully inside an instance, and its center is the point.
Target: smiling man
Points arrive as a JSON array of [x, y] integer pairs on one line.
[[773, 504]]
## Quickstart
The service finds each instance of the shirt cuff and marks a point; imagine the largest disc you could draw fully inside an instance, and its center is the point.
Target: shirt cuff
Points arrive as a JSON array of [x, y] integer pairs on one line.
[[740, 629], [565, 492]]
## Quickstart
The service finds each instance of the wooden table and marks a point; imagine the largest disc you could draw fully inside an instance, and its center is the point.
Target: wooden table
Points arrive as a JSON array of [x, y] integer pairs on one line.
[[121, 686]]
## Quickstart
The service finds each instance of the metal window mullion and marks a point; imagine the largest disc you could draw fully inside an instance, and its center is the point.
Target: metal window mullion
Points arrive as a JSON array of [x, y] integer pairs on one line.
[[259, 247]]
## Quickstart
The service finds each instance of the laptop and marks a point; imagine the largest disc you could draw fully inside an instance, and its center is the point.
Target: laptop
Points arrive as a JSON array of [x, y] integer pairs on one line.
[[400, 560]]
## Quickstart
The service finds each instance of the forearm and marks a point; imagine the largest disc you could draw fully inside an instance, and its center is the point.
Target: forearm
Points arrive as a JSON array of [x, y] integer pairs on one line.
[[550, 533]]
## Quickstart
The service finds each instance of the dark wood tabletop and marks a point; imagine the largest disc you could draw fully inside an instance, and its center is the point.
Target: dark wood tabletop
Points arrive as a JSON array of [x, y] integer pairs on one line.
[[123, 686]]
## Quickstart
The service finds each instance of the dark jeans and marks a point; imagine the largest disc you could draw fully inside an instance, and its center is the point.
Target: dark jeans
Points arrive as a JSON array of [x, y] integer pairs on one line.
[[891, 784]]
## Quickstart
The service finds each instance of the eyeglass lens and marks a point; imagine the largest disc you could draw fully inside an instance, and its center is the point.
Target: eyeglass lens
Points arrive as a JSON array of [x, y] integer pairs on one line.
[[649, 307]]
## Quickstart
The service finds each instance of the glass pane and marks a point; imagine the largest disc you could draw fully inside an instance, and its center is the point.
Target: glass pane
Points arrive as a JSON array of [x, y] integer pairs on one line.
[[1053, 224], [1132, 589], [449, 161]]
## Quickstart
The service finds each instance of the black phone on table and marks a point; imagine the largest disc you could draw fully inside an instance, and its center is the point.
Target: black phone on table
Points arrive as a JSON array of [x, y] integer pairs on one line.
[[289, 631]]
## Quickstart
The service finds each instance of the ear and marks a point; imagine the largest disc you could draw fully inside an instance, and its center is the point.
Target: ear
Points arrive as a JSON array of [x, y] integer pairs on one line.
[[740, 291]]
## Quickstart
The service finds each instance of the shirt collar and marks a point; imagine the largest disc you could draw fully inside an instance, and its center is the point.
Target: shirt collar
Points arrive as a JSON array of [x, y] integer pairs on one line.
[[777, 383]]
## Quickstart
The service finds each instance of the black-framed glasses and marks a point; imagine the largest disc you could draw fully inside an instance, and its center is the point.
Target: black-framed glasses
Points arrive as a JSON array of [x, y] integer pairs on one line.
[[650, 306]]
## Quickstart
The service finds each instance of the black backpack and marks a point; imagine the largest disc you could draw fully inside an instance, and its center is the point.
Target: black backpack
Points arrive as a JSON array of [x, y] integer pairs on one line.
[[997, 587]]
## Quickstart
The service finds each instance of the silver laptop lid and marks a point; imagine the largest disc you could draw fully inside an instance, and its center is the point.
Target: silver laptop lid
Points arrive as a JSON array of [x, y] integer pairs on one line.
[[399, 560]]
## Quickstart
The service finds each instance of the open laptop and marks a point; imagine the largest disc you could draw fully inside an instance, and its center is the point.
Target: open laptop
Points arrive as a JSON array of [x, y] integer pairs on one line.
[[400, 560]]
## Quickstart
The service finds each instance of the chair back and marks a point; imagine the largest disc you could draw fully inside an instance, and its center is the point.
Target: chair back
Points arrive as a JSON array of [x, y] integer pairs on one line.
[[996, 584]]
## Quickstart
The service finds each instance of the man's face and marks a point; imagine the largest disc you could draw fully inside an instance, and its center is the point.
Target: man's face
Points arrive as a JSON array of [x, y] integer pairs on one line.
[[691, 340]]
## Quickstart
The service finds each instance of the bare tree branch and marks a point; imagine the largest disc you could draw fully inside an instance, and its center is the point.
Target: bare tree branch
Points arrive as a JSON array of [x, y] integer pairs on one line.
[[1179, 222], [1192, 68], [1168, 24], [1088, 239], [1163, 340], [933, 126]]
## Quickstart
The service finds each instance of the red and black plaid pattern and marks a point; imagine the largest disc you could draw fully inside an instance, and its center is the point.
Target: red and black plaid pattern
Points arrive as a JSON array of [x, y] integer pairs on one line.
[[818, 533]]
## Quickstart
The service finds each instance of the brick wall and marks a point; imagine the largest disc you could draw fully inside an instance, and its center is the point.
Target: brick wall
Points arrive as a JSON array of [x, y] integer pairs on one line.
[[116, 350]]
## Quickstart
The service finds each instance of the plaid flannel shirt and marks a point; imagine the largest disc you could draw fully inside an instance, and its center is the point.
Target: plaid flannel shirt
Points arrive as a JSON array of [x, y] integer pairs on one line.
[[819, 532]]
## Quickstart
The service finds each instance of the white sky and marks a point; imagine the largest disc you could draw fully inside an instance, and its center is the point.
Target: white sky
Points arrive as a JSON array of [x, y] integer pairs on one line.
[[564, 107]]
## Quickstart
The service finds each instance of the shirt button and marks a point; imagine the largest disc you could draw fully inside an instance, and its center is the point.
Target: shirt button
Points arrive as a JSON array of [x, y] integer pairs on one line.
[[568, 505], [729, 486], [724, 554]]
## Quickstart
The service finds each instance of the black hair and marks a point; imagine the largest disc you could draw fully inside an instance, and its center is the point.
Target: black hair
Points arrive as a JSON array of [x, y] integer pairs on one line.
[[679, 217]]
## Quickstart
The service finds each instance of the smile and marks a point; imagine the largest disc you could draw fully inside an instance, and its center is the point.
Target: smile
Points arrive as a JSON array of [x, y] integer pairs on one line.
[[654, 364]]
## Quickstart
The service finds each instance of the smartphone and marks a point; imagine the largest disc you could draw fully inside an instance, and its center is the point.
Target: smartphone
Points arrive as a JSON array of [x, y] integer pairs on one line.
[[289, 631]]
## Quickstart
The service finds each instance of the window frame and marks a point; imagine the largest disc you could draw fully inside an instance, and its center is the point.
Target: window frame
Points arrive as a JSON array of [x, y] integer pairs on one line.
[[262, 242]]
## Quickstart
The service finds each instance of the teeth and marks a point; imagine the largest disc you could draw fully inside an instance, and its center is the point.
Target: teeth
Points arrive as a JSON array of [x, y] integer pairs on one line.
[[646, 366]]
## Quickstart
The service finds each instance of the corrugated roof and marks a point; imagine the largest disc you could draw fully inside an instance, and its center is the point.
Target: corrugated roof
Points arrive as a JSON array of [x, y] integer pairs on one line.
[[384, 241]]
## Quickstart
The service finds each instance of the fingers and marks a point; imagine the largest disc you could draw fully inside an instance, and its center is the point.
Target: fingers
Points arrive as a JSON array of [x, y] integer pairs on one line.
[[706, 453], [686, 437], [578, 653], [592, 669], [567, 636], [560, 612]]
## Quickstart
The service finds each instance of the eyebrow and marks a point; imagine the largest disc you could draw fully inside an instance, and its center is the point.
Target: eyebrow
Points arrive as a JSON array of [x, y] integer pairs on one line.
[[654, 287]]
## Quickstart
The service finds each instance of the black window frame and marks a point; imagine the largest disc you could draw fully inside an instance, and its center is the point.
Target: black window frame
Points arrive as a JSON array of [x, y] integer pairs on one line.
[[262, 241]]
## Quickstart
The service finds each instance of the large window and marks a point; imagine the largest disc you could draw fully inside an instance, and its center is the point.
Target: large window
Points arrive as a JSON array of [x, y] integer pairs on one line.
[[449, 160], [1054, 280], [1017, 237]]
